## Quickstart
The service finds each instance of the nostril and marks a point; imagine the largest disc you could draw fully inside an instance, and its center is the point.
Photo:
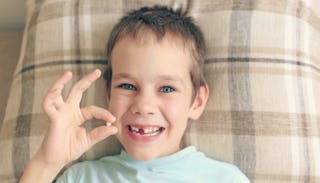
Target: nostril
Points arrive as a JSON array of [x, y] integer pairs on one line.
[[143, 106], [140, 113]]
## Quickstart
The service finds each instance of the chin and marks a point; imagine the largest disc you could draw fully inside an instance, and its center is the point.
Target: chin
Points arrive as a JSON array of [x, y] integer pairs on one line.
[[142, 155]]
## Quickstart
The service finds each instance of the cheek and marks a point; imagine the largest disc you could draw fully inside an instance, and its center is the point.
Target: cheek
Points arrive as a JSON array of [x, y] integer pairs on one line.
[[117, 106], [176, 111]]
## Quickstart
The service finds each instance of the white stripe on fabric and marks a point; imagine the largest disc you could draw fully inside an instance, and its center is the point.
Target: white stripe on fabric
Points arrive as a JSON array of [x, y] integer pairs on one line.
[[295, 167], [66, 26], [315, 146]]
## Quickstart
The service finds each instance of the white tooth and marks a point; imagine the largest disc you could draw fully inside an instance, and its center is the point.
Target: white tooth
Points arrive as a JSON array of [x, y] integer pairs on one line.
[[148, 134], [155, 129], [108, 124], [147, 130], [134, 129]]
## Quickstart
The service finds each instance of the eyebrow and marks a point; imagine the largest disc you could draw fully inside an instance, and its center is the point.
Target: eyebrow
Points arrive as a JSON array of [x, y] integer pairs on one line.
[[122, 76], [166, 78], [170, 78]]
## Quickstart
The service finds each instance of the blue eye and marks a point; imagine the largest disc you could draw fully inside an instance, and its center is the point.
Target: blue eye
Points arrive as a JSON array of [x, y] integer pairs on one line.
[[127, 86], [166, 89]]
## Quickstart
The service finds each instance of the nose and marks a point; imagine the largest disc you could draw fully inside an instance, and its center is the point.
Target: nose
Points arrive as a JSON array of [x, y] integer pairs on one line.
[[144, 104]]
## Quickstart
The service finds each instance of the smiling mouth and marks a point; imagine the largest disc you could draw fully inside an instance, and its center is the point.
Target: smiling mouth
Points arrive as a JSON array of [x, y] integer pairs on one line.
[[146, 131]]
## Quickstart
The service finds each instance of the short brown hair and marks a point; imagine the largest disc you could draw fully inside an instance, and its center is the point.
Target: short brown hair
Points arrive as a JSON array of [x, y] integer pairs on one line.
[[161, 20]]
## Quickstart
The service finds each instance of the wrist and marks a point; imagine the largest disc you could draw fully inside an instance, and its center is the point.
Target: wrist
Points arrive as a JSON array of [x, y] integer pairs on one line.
[[39, 170]]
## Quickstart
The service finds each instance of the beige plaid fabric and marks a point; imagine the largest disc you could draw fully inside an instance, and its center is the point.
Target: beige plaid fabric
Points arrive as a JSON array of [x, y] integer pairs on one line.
[[263, 68]]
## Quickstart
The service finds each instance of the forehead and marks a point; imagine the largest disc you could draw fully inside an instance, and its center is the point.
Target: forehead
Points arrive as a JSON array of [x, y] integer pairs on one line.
[[168, 45], [147, 54], [147, 35]]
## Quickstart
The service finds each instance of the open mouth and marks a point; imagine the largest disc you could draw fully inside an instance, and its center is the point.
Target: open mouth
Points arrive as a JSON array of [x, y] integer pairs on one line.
[[146, 131]]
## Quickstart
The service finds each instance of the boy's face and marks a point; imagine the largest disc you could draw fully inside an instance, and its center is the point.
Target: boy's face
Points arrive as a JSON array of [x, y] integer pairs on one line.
[[151, 95]]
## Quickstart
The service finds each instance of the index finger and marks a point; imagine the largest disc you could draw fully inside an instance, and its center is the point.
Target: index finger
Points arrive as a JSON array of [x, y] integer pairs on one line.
[[75, 94], [53, 95]]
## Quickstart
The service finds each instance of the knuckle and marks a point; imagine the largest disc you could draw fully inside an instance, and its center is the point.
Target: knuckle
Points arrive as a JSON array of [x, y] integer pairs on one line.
[[79, 87]]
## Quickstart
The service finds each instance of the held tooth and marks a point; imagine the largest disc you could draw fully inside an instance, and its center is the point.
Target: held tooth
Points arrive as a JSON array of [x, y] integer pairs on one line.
[[108, 124]]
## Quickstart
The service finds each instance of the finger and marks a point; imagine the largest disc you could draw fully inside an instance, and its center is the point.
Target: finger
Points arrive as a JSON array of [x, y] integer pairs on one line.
[[97, 113], [48, 107], [100, 133], [77, 90], [53, 97]]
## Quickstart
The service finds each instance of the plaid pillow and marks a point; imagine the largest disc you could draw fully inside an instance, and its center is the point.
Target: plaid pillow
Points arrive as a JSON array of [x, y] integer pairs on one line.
[[263, 68]]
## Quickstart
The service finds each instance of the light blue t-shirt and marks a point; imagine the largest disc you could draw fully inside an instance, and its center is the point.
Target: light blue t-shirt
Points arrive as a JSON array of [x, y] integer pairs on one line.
[[187, 165]]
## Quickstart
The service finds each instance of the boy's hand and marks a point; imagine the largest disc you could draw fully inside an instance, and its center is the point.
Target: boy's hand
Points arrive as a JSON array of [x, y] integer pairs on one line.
[[66, 139]]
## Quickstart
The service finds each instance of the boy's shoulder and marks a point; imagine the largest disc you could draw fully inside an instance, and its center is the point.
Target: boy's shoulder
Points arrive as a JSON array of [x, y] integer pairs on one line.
[[187, 164], [206, 167]]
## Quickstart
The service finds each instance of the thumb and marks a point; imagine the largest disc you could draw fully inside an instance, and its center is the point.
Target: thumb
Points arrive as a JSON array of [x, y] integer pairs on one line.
[[100, 133], [97, 113]]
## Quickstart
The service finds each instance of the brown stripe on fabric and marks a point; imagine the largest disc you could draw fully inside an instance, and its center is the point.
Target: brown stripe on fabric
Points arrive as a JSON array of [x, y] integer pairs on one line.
[[21, 144], [55, 10], [283, 177], [22, 129], [61, 63], [76, 39], [303, 12], [30, 42], [7, 177], [286, 7], [79, 4], [240, 91], [69, 53], [261, 60], [312, 59], [77, 30], [301, 95], [271, 124], [34, 20], [274, 66], [273, 52], [40, 124], [284, 71], [269, 68]]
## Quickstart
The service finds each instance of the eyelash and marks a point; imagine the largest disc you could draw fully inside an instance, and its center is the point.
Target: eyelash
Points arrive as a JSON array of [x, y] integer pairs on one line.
[[127, 86], [163, 89]]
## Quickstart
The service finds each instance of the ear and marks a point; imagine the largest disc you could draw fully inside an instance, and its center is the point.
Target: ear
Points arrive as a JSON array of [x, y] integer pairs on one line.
[[199, 102]]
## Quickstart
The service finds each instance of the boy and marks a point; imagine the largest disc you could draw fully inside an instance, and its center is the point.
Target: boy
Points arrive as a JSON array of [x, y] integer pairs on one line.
[[155, 84]]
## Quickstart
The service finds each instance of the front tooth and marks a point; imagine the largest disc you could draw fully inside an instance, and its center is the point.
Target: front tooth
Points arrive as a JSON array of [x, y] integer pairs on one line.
[[155, 129], [148, 130], [134, 129]]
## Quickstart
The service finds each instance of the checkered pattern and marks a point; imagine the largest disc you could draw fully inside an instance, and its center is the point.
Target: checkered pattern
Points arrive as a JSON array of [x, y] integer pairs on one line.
[[263, 68]]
